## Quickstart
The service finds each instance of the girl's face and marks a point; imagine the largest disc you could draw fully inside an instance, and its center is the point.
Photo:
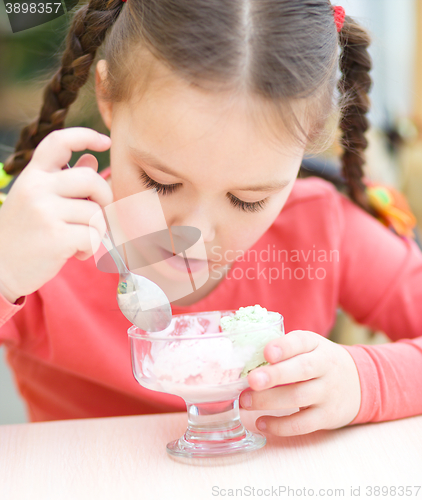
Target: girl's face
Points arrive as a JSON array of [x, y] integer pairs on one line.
[[211, 161]]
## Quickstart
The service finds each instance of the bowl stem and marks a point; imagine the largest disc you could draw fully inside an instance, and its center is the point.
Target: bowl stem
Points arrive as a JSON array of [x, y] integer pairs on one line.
[[215, 421], [215, 429]]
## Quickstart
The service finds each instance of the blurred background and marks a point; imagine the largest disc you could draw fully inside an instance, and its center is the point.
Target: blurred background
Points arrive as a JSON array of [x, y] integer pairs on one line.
[[394, 157]]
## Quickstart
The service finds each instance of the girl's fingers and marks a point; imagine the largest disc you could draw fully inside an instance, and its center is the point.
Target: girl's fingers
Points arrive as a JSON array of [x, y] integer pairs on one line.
[[55, 150], [85, 240], [285, 396], [292, 344], [81, 212], [297, 369], [303, 422], [82, 182]]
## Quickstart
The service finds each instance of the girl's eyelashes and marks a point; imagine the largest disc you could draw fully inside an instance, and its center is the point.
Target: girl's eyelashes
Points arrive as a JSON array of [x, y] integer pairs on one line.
[[246, 206], [161, 188]]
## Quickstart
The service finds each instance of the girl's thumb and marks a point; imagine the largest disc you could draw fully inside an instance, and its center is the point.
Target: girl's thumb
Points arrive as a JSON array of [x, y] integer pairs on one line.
[[87, 160]]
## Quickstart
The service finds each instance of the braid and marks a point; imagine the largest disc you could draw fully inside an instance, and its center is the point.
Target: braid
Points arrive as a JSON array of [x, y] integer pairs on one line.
[[355, 64], [86, 34]]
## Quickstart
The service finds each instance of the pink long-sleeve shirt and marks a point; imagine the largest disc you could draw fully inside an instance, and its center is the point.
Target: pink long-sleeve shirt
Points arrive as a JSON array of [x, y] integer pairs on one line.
[[68, 347]]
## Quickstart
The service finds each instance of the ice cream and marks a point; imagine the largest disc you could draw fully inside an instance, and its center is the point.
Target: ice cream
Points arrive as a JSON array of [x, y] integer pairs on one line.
[[194, 352], [208, 355], [251, 326]]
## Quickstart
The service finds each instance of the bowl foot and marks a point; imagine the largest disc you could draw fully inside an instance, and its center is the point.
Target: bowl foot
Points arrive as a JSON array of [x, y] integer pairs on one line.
[[212, 448]]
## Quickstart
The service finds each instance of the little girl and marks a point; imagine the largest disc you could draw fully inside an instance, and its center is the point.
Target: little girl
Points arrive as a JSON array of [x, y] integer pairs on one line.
[[213, 103]]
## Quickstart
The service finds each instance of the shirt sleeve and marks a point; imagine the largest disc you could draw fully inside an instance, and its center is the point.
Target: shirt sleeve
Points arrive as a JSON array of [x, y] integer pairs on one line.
[[381, 286], [8, 331], [391, 380]]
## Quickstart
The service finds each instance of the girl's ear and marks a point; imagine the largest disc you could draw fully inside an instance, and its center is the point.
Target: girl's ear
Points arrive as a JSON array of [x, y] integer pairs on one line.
[[105, 106]]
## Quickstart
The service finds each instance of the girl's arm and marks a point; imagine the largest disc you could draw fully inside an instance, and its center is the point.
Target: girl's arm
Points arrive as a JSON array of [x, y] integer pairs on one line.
[[380, 285], [45, 219], [391, 380]]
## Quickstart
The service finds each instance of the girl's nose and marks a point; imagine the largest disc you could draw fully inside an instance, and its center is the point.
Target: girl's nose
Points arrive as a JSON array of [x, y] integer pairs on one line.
[[199, 219]]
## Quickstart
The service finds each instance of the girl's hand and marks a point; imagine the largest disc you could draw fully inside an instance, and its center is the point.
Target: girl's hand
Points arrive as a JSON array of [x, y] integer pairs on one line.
[[45, 219], [306, 371]]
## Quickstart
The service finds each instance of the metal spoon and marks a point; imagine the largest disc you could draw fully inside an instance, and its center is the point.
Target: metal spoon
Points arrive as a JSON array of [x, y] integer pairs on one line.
[[141, 301]]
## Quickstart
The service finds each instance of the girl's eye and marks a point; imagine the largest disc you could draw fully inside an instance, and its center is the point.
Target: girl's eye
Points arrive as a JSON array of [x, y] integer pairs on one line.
[[256, 206], [161, 188], [170, 188]]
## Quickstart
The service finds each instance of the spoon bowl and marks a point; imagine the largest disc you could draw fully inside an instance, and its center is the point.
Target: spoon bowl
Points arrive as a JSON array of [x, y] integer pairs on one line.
[[141, 301]]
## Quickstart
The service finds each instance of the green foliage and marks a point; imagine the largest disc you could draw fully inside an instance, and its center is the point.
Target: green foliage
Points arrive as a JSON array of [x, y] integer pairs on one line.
[[30, 57], [31, 53]]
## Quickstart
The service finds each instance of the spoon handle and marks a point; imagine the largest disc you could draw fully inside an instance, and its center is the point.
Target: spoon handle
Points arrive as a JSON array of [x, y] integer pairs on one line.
[[112, 250]]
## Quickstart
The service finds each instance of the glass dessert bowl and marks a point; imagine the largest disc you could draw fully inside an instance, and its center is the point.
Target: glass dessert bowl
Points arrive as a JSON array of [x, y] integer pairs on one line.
[[205, 359]]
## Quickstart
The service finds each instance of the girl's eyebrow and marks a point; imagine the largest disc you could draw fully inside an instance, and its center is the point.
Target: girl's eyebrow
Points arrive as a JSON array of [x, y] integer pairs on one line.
[[153, 161], [156, 163], [271, 186]]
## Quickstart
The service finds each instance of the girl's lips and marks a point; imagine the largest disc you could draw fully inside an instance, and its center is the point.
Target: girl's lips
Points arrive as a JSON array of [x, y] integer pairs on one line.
[[178, 262]]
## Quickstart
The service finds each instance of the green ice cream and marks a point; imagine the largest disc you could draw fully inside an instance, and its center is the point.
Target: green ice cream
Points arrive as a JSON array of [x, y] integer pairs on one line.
[[251, 326]]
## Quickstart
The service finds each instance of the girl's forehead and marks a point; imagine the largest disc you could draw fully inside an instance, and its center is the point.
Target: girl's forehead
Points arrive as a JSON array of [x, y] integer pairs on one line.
[[166, 104], [188, 116], [227, 151]]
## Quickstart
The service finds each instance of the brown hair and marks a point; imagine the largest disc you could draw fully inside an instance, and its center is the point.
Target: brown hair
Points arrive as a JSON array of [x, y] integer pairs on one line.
[[282, 51]]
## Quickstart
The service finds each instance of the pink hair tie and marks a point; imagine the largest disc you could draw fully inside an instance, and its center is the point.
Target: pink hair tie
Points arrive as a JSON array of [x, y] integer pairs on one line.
[[339, 15]]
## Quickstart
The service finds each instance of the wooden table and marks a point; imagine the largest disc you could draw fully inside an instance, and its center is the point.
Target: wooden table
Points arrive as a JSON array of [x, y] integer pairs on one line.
[[125, 458]]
